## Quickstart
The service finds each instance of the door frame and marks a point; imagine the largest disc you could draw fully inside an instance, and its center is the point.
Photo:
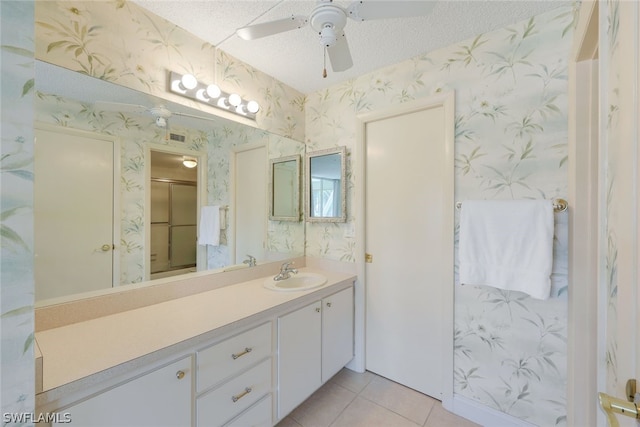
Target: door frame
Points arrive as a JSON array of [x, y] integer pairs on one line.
[[585, 350], [447, 102], [115, 203], [203, 172]]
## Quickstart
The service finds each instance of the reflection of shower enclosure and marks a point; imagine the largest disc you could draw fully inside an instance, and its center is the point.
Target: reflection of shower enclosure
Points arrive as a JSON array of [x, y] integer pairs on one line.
[[173, 224]]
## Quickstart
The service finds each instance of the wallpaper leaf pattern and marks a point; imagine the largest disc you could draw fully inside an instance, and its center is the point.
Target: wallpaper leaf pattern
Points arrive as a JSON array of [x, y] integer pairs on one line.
[[121, 42], [510, 143], [16, 208]]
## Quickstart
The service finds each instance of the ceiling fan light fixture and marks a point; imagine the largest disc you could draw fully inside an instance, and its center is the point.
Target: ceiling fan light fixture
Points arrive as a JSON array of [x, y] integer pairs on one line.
[[161, 122], [189, 162], [328, 36]]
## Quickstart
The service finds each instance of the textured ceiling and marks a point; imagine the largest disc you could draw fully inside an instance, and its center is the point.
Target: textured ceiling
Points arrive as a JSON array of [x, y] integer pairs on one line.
[[296, 57]]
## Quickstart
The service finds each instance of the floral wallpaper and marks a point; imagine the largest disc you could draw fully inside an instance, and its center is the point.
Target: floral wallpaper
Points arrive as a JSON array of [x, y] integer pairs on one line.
[[121, 42], [510, 142], [16, 208]]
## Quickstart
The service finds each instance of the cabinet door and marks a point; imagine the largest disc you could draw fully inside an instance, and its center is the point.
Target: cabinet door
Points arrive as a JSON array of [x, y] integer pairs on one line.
[[299, 347], [160, 398], [337, 332]]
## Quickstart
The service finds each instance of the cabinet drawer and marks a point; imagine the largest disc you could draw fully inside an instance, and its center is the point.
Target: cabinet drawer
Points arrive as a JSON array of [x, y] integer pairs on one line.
[[231, 398], [231, 356], [259, 415]]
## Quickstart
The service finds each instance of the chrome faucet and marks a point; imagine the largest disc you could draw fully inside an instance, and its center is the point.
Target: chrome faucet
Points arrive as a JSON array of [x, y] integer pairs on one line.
[[251, 261], [285, 271]]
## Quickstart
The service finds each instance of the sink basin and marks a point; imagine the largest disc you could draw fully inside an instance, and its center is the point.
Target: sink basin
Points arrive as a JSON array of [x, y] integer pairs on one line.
[[297, 282]]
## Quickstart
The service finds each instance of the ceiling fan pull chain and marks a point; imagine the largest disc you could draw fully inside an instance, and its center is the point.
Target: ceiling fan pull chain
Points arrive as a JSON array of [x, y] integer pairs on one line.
[[324, 71]]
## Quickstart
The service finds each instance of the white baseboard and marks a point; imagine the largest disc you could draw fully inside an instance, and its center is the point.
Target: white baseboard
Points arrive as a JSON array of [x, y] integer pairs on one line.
[[481, 414]]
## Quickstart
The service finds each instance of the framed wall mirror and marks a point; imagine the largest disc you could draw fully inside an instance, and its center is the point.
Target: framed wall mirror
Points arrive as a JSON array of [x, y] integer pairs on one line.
[[326, 186], [284, 188]]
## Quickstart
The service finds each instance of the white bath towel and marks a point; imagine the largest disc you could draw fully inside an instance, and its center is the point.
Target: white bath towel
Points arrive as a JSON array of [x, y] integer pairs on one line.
[[209, 232], [507, 244]]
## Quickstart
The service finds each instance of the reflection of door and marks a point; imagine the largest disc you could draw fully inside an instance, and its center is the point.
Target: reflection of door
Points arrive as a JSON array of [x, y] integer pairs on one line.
[[409, 234], [250, 183], [73, 212]]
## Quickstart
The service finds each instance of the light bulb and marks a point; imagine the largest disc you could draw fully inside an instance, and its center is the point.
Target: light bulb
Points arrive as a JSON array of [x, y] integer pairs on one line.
[[213, 91], [253, 107], [234, 99], [189, 81], [222, 103]]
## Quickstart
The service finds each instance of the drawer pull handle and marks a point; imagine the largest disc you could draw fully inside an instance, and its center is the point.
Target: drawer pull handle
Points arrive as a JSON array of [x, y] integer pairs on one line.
[[241, 395], [180, 375], [242, 353]]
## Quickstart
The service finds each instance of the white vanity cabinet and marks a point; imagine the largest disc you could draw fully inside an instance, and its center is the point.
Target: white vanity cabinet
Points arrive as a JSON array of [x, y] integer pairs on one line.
[[159, 398], [314, 343], [233, 378]]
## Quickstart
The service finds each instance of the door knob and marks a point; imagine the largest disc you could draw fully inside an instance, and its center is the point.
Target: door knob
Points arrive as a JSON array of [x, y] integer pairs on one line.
[[612, 405], [106, 248]]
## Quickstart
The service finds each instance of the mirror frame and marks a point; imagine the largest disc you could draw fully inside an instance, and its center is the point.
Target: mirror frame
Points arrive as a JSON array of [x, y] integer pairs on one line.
[[272, 191], [342, 151]]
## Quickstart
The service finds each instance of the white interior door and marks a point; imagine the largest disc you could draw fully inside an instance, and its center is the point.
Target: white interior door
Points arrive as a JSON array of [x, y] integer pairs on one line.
[[74, 238], [409, 234], [250, 200]]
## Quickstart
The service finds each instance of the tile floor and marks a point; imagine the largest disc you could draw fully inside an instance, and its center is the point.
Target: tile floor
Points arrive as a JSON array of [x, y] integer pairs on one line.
[[351, 399]]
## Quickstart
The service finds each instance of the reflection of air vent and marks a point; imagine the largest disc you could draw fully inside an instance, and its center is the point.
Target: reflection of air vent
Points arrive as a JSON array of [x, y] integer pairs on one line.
[[177, 137]]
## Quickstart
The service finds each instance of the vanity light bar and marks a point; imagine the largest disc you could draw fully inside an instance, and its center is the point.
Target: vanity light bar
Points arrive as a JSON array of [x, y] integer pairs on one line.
[[188, 86]]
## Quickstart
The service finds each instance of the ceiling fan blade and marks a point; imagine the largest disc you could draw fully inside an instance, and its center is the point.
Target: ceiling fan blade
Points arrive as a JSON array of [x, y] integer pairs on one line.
[[368, 10], [120, 107], [257, 31], [340, 55]]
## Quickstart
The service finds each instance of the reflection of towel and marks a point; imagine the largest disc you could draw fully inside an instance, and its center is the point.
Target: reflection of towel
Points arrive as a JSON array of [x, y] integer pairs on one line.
[[507, 244], [209, 226]]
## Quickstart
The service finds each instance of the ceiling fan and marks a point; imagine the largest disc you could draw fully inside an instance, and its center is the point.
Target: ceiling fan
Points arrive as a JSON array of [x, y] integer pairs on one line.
[[160, 113], [329, 19]]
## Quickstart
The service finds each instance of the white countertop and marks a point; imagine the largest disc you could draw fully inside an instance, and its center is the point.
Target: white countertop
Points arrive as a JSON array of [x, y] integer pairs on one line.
[[79, 350]]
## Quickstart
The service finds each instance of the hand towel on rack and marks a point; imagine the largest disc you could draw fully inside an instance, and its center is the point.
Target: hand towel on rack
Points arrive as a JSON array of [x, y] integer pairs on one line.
[[507, 244], [209, 232]]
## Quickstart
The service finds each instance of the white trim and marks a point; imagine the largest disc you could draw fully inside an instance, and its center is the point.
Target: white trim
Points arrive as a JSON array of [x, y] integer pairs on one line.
[[447, 101], [585, 198], [482, 414]]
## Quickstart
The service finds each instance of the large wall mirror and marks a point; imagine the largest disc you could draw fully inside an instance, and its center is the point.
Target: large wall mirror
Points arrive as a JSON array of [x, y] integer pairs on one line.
[[119, 121], [284, 186], [325, 179]]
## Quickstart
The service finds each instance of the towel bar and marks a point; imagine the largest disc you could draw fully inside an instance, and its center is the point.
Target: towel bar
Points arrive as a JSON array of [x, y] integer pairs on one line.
[[559, 205]]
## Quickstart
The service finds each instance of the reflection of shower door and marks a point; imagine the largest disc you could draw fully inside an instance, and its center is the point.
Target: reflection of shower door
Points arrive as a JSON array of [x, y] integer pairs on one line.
[[173, 225]]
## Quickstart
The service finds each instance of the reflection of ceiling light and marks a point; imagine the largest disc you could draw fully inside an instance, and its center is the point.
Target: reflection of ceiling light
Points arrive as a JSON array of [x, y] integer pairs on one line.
[[188, 86], [189, 162]]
